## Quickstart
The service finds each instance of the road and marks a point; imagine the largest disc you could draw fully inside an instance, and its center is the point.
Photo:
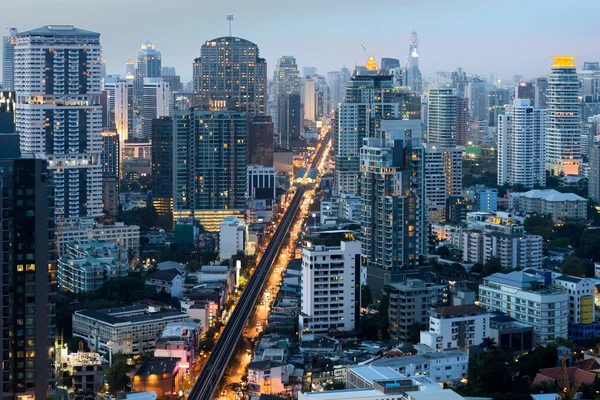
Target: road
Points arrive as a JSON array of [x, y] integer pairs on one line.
[[207, 382]]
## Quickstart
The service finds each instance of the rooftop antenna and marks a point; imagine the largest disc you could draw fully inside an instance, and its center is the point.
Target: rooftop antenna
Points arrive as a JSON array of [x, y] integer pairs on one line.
[[229, 20]]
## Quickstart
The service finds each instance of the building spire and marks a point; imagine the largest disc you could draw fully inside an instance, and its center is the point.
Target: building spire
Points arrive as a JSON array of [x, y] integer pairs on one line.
[[230, 21]]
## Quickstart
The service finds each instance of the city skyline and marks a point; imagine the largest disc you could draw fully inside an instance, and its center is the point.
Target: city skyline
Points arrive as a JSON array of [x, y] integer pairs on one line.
[[449, 36]]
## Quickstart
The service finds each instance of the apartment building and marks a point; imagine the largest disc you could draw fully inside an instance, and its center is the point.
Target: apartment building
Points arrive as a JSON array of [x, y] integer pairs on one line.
[[456, 327]]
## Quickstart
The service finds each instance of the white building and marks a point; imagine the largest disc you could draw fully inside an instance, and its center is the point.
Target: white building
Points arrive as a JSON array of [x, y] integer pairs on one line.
[[156, 103], [58, 86], [267, 377], [168, 281], [581, 298], [395, 392], [521, 145], [127, 236], [308, 88], [127, 330], [443, 178], [563, 126], [441, 366], [527, 299], [559, 206], [204, 311], [233, 235], [330, 277], [86, 266], [456, 327], [442, 116]]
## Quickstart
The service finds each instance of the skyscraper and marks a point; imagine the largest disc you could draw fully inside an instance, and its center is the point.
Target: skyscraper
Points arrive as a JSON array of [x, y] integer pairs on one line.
[[308, 85], [162, 164], [442, 116], [521, 145], [478, 97], [156, 103], [170, 71], [29, 273], [443, 178], [260, 141], [388, 64], [594, 173], [290, 120], [392, 199], [129, 67], [286, 81], [8, 59], [210, 165], [59, 113], [369, 100], [110, 154], [462, 121], [414, 80], [497, 99], [230, 74], [149, 62], [563, 129]]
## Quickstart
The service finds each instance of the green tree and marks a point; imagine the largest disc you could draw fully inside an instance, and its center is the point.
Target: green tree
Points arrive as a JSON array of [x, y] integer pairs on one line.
[[488, 344], [414, 332], [589, 246], [539, 225], [577, 266], [117, 375], [366, 297], [493, 265]]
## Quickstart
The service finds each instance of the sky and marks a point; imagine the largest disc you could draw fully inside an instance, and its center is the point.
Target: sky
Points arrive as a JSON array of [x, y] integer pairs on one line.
[[482, 36]]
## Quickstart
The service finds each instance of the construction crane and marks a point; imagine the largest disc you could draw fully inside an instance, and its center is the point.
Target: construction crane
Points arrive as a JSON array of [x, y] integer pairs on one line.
[[371, 64], [571, 388]]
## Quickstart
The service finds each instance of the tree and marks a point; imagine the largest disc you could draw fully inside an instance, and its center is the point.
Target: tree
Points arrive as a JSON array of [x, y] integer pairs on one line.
[[491, 266], [589, 246], [117, 375], [577, 266], [488, 344], [414, 332], [366, 297], [74, 343], [336, 385], [444, 252], [539, 225]]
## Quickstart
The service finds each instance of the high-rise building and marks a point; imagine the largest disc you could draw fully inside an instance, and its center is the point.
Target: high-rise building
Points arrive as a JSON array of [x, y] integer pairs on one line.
[[497, 99], [169, 71], [478, 97], [174, 82], [414, 80], [120, 105], [463, 119], [286, 78], [290, 120], [563, 129], [308, 72], [330, 289], [594, 173], [388, 64], [29, 273], [110, 154], [521, 145], [308, 98], [460, 81], [443, 178], [162, 164], [129, 67], [369, 100], [210, 165], [157, 103], [541, 86], [58, 85], [260, 141], [149, 61], [525, 90], [392, 194], [8, 59], [442, 116], [337, 87], [230, 74]]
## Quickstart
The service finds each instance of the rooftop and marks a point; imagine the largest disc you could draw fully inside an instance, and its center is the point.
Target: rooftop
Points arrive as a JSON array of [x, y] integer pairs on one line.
[[550, 195], [130, 314], [516, 279], [450, 310], [157, 366], [446, 394], [167, 275], [418, 359], [376, 373], [58, 30], [264, 365]]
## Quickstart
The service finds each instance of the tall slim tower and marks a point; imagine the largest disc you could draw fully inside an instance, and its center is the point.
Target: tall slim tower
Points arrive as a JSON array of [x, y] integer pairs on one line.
[[521, 145], [442, 116], [58, 85], [563, 130], [230, 74], [286, 81], [149, 65], [129, 67], [413, 76], [156, 103], [8, 59]]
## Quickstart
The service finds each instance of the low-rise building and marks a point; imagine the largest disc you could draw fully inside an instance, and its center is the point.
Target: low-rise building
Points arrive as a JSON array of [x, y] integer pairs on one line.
[[232, 237], [83, 372], [410, 304], [530, 300], [267, 377], [161, 375], [559, 206], [510, 334], [582, 294], [167, 281], [127, 236], [85, 267], [456, 327], [127, 330], [330, 289], [205, 311], [441, 367], [484, 198]]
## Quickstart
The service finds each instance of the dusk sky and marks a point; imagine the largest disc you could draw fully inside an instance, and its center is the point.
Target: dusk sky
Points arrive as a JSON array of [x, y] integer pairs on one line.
[[481, 36]]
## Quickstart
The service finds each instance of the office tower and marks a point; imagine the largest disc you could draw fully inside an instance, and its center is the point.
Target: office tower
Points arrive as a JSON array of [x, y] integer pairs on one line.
[[308, 85], [594, 173], [229, 73], [460, 81], [308, 72], [369, 100], [174, 82], [562, 118], [442, 116], [410, 103], [110, 154], [286, 81], [462, 121], [541, 86], [123, 113], [443, 178], [157, 103], [129, 67], [478, 97], [8, 59], [330, 299], [336, 87], [210, 165], [321, 97], [290, 120], [7, 112], [521, 145], [103, 68], [392, 197], [497, 99], [58, 112], [29, 273], [414, 80], [148, 66], [525, 90], [162, 164], [169, 71], [387, 64], [260, 141]]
